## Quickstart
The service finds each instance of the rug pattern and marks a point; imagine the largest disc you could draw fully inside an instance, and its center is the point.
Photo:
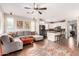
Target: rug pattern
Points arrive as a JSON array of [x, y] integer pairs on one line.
[[50, 50]]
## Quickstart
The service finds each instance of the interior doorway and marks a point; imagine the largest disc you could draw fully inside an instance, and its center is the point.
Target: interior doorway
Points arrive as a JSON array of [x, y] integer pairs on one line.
[[42, 31], [72, 30]]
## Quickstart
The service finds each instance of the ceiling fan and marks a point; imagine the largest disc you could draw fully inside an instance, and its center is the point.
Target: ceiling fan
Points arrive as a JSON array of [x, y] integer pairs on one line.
[[35, 8]]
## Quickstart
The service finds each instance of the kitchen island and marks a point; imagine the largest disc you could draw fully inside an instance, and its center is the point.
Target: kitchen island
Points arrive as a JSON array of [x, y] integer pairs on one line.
[[51, 35]]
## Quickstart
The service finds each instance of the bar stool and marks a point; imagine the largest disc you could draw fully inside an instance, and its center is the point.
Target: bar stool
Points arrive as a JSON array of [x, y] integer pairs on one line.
[[57, 37]]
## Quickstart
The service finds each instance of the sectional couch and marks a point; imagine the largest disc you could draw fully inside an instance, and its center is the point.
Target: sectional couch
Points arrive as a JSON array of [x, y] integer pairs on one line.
[[9, 46], [30, 34]]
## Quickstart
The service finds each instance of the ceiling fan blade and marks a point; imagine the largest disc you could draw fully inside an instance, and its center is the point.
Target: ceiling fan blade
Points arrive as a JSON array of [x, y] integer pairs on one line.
[[30, 12], [27, 7], [39, 12], [40, 8]]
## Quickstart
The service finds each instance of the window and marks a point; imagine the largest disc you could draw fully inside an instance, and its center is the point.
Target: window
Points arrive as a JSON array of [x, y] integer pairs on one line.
[[10, 24]]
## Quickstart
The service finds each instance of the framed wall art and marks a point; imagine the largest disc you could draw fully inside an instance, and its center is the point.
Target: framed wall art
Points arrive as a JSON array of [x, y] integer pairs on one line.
[[27, 24], [20, 24]]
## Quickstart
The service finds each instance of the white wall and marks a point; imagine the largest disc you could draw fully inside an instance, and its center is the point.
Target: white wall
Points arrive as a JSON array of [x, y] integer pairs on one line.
[[77, 31], [1, 21], [37, 26], [33, 25]]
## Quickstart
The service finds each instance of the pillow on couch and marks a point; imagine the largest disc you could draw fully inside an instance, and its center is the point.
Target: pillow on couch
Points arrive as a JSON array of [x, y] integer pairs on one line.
[[27, 33], [11, 34], [19, 33], [32, 33]]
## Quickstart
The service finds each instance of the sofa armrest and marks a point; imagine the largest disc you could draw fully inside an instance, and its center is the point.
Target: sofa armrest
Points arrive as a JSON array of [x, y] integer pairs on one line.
[[0, 51], [17, 40]]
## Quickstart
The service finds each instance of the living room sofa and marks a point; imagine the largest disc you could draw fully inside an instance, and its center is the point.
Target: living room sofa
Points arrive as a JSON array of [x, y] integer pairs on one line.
[[9, 46], [28, 34]]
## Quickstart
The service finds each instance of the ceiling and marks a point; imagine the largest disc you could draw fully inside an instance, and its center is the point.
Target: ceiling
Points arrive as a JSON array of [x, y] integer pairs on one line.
[[54, 12]]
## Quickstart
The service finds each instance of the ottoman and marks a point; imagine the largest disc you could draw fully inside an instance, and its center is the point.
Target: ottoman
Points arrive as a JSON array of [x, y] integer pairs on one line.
[[26, 40], [37, 37]]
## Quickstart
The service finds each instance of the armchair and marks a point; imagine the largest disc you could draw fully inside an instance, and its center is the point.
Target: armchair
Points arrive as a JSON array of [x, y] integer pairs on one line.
[[10, 46]]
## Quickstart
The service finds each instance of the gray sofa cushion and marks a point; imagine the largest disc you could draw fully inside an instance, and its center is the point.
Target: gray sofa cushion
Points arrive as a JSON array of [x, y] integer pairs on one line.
[[19, 33], [27, 33]]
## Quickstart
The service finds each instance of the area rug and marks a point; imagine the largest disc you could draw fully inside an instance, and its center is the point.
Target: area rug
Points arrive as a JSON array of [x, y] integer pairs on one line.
[[50, 50], [58, 51]]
